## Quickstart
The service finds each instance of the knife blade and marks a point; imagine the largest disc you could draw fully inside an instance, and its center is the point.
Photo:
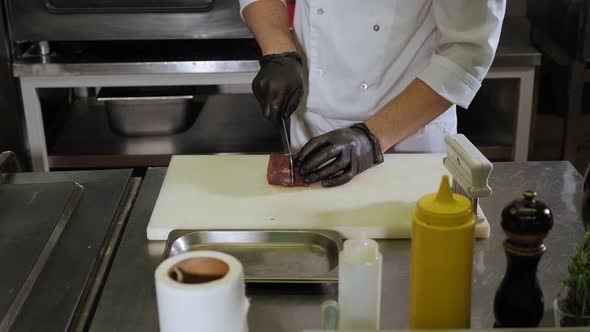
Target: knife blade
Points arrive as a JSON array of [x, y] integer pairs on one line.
[[287, 147]]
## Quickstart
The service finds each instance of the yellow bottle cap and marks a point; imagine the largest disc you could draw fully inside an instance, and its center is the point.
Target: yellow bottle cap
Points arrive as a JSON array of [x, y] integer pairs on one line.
[[444, 208]]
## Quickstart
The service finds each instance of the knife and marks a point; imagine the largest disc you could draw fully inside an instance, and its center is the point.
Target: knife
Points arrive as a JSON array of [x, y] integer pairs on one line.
[[287, 147]]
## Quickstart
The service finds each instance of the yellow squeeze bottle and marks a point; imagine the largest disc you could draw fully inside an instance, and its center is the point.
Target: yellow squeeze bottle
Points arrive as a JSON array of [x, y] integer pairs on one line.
[[443, 228]]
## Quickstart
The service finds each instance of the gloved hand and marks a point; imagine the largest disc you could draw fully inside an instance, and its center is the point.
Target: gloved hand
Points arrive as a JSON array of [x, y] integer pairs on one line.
[[353, 149], [279, 85]]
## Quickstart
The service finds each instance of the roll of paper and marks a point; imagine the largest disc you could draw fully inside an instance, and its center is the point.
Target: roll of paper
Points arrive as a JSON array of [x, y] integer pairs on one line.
[[201, 291]]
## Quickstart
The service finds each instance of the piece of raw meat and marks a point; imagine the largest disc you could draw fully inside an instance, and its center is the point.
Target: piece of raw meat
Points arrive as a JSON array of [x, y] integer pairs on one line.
[[278, 173]]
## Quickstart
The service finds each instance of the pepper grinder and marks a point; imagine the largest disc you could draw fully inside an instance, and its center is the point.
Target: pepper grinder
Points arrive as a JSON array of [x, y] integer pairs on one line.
[[519, 298]]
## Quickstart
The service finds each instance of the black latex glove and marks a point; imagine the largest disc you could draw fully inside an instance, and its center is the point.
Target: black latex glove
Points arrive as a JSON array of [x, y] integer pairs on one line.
[[353, 150], [278, 86]]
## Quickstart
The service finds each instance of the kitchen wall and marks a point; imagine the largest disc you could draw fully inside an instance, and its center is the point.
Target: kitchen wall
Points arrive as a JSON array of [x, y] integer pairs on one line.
[[515, 7]]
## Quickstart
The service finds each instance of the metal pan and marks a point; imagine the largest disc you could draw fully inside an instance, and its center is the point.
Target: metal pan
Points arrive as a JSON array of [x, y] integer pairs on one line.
[[150, 111], [268, 256]]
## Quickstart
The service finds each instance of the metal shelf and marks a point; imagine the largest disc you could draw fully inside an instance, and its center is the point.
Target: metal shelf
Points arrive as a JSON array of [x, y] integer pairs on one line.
[[226, 124], [208, 56], [496, 153]]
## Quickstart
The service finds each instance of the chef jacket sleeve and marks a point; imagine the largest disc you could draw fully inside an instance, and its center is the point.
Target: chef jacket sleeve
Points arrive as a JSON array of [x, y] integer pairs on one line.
[[244, 3], [467, 36]]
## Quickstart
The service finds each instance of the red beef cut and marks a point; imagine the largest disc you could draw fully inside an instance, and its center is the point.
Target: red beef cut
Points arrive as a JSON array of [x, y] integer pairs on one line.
[[278, 173]]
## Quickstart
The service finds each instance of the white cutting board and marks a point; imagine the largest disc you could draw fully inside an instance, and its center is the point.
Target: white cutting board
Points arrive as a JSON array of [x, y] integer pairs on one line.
[[231, 192]]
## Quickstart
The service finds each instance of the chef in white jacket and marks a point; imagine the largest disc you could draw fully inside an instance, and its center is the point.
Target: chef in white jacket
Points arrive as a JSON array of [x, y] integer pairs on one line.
[[359, 77]]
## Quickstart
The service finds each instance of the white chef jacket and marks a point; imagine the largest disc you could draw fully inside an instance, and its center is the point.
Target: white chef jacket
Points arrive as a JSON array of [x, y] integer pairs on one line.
[[361, 54]]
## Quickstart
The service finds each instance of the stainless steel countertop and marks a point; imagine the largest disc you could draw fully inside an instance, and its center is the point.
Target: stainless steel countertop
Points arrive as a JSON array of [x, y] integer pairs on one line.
[[514, 50], [31, 234], [64, 286], [128, 301]]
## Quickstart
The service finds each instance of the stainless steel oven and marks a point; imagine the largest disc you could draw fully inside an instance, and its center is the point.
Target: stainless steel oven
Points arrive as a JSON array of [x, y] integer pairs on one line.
[[201, 44], [566, 22], [89, 20]]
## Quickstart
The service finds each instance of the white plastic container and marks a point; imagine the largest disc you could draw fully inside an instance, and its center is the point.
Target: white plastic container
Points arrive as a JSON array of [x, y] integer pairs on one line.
[[359, 285]]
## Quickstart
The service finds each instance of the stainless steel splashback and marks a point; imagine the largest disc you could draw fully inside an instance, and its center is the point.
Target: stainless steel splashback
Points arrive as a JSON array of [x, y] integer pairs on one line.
[[32, 20]]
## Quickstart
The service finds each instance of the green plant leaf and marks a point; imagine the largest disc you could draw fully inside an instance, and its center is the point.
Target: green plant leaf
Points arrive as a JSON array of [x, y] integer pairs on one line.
[[577, 284]]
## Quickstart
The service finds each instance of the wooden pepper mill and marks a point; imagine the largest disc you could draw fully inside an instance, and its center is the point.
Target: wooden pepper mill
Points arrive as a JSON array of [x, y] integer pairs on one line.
[[519, 298]]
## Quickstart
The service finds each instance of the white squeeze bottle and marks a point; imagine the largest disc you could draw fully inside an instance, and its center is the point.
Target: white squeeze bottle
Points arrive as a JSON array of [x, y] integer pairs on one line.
[[359, 285]]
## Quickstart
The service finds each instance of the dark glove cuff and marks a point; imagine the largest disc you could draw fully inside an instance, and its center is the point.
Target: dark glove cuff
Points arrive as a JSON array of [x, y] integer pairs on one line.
[[271, 57], [377, 154]]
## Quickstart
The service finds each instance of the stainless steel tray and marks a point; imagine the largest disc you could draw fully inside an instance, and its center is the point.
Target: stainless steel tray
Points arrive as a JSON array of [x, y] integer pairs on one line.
[[150, 111], [268, 256]]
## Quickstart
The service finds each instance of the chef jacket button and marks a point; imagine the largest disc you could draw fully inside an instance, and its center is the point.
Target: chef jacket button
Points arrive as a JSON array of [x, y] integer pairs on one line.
[[376, 27], [320, 11], [364, 86], [321, 72]]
